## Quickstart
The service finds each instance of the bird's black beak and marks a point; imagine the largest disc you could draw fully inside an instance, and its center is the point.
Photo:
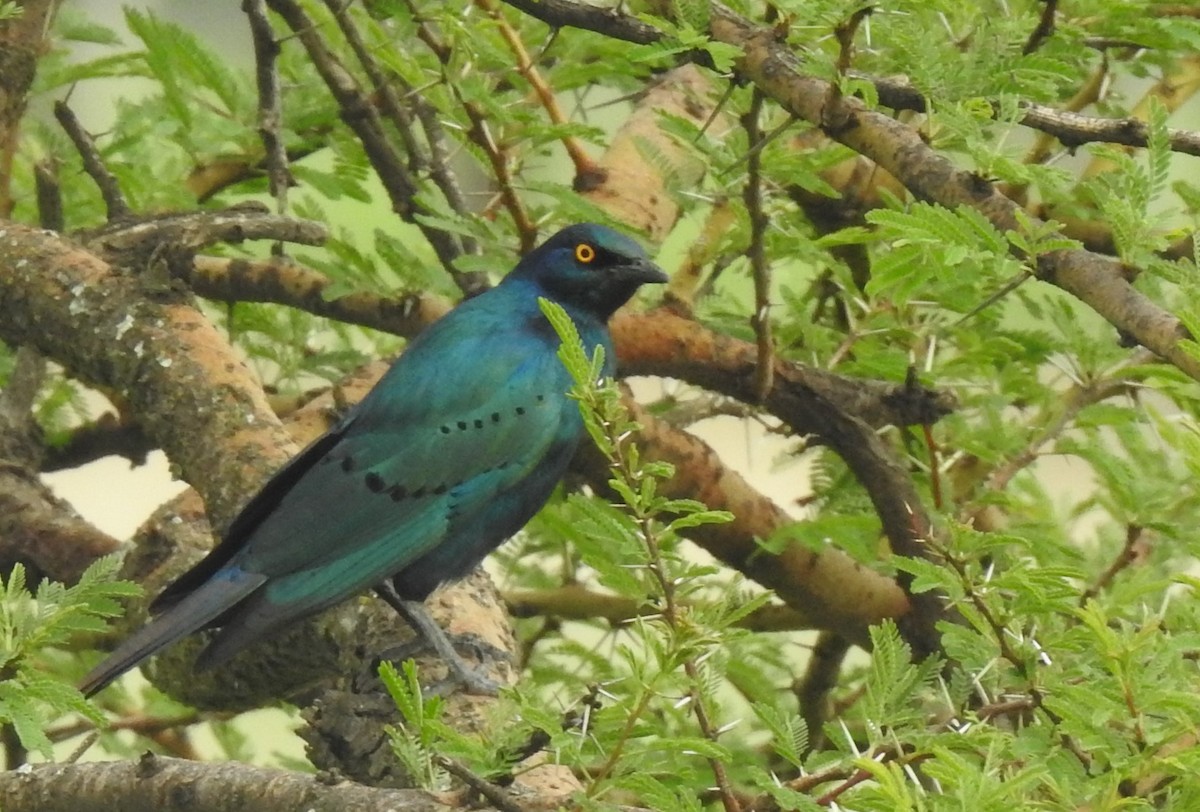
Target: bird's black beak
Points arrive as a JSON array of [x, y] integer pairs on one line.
[[641, 272]]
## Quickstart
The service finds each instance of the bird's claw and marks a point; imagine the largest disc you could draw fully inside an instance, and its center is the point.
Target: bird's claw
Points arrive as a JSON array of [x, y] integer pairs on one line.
[[461, 676]]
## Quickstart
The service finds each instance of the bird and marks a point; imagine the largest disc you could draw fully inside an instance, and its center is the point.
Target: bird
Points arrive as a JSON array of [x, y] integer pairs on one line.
[[454, 450]]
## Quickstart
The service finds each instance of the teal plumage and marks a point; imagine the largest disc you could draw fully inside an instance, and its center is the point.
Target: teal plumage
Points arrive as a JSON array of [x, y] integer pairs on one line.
[[453, 451]]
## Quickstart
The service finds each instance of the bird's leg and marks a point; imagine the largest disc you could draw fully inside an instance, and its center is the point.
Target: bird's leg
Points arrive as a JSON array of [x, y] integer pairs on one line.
[[416, 616]]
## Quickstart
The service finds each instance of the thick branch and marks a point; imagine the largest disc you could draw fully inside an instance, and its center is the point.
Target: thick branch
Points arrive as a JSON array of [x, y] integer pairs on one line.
[[152, 784], [828, 587], [634, 187], [43, 532], [655, 343], [662, 343], [284, 281], [188, 388]]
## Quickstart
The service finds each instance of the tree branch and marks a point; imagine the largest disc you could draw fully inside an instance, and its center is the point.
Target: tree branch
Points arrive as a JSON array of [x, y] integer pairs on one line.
[[106, 435], [1075, 129], [285, 281], [184, 383], [578, 602], [627, 183], [37, 528], [153, 783], [270, 102], [390, 88], [655, 343], [115, 205], [187, 232], [1072, 129], [1097, 281]]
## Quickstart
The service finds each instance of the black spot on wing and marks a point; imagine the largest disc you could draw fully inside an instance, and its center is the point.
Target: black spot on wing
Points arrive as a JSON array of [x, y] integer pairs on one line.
[[397, 492]]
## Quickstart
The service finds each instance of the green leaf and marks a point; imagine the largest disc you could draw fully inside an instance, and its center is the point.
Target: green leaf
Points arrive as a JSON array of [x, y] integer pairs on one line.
[[789, 733]]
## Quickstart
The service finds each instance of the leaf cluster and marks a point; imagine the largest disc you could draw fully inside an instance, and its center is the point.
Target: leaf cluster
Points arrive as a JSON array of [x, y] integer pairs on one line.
[[31, 623]]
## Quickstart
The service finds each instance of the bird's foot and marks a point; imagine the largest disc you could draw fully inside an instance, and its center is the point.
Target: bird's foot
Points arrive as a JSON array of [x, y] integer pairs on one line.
[[461, 675], [429, 632], [470, 680]]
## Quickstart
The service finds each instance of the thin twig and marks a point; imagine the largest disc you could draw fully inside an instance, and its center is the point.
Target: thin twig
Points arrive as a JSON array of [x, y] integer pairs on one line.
[[193, 230], [436, 159], [270, 105], [363, 118], [1001, 636], [114, 201], [820, 678], [752, 194], [49, 195], [1044, 29], [141, 724], [686, 281], [1072, 402], [584, 166], [577, 602], [671, 615], [496, 796], [1134, 549], [480, 134]]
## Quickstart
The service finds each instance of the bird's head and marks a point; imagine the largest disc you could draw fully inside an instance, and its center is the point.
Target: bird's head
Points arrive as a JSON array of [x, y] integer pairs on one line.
[[590, 267]]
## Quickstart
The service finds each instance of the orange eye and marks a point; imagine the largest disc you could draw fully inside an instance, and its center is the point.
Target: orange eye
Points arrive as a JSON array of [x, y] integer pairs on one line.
[[585, 253]]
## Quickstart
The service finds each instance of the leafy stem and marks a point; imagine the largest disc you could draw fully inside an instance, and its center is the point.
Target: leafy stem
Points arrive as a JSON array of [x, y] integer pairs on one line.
[[635, 482]]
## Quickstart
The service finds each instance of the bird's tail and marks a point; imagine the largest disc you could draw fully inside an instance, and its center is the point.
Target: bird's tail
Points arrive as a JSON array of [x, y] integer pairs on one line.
[[208, 602]]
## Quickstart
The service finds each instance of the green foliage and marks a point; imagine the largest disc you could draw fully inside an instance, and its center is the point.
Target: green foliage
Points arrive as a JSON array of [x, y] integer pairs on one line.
[[1125, 194], [413, 739], [31, 623]]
